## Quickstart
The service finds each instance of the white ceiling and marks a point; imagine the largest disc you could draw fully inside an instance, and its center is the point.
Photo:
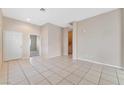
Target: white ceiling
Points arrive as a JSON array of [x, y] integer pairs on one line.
[[57, 16]]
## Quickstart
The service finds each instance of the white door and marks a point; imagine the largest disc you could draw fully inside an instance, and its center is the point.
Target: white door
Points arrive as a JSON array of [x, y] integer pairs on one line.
[[12, 45]]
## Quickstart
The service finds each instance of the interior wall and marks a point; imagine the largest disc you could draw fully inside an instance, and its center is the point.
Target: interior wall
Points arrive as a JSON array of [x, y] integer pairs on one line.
[[51, 40], [27, 30], [122, 35], [0, 37], [65, 41], [75, 40], [99, 38], [54, 40], [44, 40]]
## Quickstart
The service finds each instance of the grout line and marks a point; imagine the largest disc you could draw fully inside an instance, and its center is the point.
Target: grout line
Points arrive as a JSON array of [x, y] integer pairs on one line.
[[70, 73], [67, 75], [85, 74], [117, 77], [40, 73], [61, 76], [62, 69], [100, 76], [64, 78], [57, 74], [8, 73], [23, 73]]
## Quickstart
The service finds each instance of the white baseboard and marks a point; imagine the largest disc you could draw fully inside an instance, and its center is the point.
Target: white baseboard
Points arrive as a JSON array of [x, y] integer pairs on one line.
[[96, 62]]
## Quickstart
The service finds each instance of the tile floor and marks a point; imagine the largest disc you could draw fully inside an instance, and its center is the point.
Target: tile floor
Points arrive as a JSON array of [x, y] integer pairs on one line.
[[58, 71]]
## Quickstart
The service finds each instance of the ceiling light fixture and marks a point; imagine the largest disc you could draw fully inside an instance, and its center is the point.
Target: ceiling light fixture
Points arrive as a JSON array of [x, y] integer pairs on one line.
[[42, 9]]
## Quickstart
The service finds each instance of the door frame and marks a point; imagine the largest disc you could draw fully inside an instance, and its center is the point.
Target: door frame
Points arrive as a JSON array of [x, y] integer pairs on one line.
[[38, 43]]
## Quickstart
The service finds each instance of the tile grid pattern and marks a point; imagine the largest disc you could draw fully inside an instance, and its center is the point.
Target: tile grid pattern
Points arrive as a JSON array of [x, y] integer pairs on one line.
[[100, 78], [117, 78], [58, 71], [41, 74], [86, 73], [24, 74]]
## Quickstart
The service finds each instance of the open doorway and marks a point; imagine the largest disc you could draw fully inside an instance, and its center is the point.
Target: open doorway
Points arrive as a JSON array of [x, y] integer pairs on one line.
[[70, 47], [34, 51]]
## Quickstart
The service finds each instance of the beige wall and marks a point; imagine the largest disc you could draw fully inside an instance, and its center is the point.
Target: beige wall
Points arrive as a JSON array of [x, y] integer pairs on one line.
[[44, 40], [51, 40], [65, 41], [25, 28], [122, 35], [99, 39], [50, 37], [54, 40], [0, 37], [75, 40]]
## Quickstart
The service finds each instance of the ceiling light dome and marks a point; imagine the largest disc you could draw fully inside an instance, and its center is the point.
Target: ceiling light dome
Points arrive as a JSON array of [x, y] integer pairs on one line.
[[42, 9]]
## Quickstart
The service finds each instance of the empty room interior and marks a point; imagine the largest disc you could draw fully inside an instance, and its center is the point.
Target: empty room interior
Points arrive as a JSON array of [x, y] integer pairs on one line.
[[61, 46]]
